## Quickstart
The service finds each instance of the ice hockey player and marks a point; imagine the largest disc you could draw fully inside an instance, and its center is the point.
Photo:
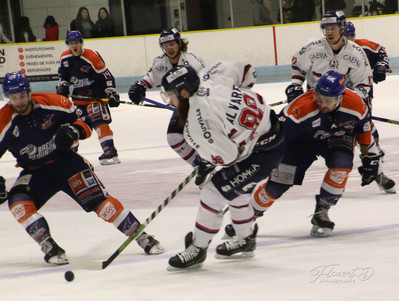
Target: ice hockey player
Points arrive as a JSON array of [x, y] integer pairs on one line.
[[233, 128], [315, 58], [175, 53], [327, 121], [39, 130], [86, 71]]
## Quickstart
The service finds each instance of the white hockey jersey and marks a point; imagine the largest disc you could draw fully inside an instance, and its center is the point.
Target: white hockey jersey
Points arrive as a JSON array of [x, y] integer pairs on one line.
[[161, 65], [316, 57], [226, 117]]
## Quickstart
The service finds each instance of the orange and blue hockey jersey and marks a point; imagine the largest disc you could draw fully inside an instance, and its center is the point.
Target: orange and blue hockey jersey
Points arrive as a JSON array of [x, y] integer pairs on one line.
[[30, 138]]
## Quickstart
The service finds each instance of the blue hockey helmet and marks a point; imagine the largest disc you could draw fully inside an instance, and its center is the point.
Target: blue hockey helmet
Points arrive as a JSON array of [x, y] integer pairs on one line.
[[168, 35], [15, 82], [331, 84], [74, 35], [333, 17], [180, 77], [350, 29]]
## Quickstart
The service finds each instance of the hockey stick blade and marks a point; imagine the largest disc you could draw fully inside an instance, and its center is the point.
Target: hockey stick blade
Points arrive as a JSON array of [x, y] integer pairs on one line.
[[88, 264], [158, 104]]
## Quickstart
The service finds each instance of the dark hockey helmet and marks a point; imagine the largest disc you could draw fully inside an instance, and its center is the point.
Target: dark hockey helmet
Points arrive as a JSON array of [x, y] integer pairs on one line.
[[333, 17], [168, 35], [74, 35], [331, 84], [180, 77], [15, 82], [350, 29]]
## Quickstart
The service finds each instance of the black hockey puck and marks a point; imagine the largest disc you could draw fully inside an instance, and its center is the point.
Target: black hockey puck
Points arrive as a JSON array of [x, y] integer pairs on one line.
[[69, 276]]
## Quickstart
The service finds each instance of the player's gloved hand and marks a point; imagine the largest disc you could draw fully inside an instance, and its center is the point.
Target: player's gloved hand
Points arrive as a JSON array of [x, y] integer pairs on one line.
[[204, 168], [113, 98], [65, 136], [63, 88], [137, 91], [379, 72], [369, 168], [3, 190], [293, 91]]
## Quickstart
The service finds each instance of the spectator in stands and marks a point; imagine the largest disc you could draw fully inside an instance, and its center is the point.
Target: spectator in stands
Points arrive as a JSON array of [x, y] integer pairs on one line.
[[3, 35], [260, 13], [376, 8], [52, 29], [288, 10], [105, 26], [83, 23], [23, 31]]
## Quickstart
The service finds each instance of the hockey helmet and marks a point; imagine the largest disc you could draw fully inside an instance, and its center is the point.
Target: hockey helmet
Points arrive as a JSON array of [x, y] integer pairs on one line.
[[350, 29], [331, 84], [180, 77], [73, 36], [333, 17], [15, 82], [168, 35]]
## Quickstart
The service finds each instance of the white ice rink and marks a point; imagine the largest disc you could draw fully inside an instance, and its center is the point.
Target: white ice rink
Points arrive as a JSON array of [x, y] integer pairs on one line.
[[358, 262]]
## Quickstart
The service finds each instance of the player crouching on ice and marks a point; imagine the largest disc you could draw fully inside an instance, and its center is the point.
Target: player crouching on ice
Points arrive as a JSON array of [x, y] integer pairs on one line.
[[39, 130], [232, 127], [323, 122]]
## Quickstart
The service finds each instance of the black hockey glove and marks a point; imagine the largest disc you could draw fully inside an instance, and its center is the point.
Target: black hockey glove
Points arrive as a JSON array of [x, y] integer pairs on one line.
[[3, 190], [369, 168], [204, 168], [292, 92], [63, 88], [113, 98], [65, 136], [137, 91], [379, 73]]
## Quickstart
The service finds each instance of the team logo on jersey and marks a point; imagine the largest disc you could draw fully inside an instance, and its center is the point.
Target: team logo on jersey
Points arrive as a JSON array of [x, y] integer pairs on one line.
[[30, 150], [334, 64], [66, 64], [82, 181], [316, 123], [47, 122], [15, 132], [74, 80], [85, 69]]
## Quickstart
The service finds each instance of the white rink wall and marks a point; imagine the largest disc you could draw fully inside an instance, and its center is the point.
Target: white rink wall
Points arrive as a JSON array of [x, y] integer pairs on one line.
[[264, 46]]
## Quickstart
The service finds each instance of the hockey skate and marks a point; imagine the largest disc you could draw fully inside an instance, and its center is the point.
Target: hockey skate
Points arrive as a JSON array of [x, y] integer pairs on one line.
[[54, 254], [322, 225], [237, 247], [191, 258], [385, 183], [109, 157], [150, 245]]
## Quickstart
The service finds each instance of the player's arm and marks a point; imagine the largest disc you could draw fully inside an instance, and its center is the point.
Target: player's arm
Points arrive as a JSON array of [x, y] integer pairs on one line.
[[382, 66], [298, 76]]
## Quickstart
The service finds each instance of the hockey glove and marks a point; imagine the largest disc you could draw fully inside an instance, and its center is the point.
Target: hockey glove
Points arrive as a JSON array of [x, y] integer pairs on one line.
[[3, 190], [369, 168], [137, 91], [113, 98], [379, 73], [292, 92], [65, 136], [63, 88], [204, 168]]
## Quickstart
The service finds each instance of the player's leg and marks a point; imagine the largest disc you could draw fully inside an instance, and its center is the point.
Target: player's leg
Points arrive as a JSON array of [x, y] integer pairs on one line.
[[28, 194], [82, 184], [100, 116]]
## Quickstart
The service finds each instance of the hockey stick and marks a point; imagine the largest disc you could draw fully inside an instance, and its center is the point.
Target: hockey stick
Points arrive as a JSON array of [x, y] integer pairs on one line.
[[88, 264], [385, 120], [277, 103], [154, 104]]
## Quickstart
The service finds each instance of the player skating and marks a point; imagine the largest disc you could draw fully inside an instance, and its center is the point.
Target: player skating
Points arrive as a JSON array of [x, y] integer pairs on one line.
[[327, 122], [175, 53], [39, 130], [335, 52], [232, 127], [85, 70]]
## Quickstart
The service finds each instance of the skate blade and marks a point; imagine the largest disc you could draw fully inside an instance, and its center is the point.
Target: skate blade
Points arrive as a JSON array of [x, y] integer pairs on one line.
[[111, 161], [240, 255], [316, 231], [390, 190], [193, 267]]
